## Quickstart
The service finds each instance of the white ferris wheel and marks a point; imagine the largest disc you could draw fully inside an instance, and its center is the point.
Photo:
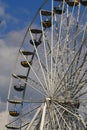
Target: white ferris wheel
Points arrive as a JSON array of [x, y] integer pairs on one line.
[[48, 87]]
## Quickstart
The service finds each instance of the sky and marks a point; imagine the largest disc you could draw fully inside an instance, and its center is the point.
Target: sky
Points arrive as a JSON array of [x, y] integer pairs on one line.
[[15, 16]]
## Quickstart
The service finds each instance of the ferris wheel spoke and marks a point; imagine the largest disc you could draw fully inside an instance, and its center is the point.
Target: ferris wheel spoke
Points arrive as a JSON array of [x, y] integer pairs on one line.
[[77, 69], [81, 78], [70, 22], [44, 67], [57, 118], [62, 118], [82, 43], [45, 50], [72, 14], [33, 119], [23, 41], [73, 114], [33, 81], [51, 81], [82, 30], [77, 72], [58, 42], [28, 83], [43, 116], [83, 14], [78, 89], [81, 94], [22, 116], [44, 88], [44, 77]]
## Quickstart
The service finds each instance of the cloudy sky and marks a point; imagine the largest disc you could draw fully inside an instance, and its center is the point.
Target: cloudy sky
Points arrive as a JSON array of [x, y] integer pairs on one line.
[[15, 16]]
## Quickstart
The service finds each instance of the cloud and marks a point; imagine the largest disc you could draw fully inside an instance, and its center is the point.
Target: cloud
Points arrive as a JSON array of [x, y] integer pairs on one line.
[[9, 43], [7, 58], [14, 38], [6, 17], [2, 11], [7, 55], [2, 106], [3, 120], [8, 51]]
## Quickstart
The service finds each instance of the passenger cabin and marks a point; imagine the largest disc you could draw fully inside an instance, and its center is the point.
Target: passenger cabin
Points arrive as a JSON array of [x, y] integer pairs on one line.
[[83, 2], [12, 127], [19, 76], [46, 23], [35, 42], [19, 88], [14, 113], [46, 18], [58, 10], [14, 101], [72, 3], [36, 37], [26, 64], [26, 53], [46, 13]]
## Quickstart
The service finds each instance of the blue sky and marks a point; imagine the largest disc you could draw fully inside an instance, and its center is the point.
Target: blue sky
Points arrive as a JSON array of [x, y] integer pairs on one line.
[[17, 13], [15, 16]]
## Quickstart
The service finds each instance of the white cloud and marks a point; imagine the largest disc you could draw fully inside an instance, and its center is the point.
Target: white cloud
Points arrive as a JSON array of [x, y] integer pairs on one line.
[[7, 56], [14, 38], [3, 120], [2, 11], [6, 17], [8, 53], [2, 106]]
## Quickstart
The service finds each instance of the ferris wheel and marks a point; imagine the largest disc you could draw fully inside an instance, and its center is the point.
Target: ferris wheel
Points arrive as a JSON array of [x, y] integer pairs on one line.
[[48, 87]]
